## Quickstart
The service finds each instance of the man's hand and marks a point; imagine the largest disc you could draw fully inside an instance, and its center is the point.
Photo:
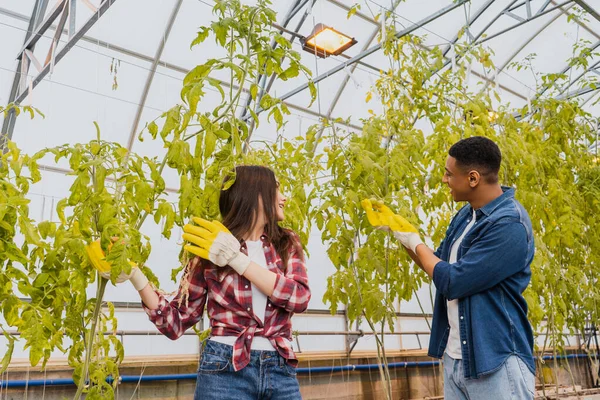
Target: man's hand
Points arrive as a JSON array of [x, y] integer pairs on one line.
[[98, 261], [213, 241], [381, 217]]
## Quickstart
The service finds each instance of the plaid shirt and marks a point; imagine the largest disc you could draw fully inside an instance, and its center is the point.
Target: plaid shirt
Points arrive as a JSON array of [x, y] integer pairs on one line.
[[228, 297]]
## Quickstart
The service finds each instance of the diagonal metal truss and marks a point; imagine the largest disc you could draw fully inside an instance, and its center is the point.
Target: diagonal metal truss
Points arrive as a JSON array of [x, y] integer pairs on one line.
[[509, 11], [62, 16], [37, 15], [585, 4], [152, 73], [164, 64], [372, 49], [262, 79], [63, 10]]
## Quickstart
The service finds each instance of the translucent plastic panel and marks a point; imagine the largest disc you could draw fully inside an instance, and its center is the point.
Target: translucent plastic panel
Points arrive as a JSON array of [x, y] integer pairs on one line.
[[368, 342], [24, 7], [352, 103], [411, 340], [150, 344], [319, 269], [552, 47], [14, 29], [134, 24], [78, 93], [412, 306], [310, 340], [192, 15]]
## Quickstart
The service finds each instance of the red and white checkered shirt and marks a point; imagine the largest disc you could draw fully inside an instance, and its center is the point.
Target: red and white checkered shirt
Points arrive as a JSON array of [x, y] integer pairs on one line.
[[228, 297]]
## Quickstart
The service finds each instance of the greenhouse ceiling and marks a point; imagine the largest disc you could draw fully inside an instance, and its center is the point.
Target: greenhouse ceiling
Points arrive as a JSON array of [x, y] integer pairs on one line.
[[121, 62]]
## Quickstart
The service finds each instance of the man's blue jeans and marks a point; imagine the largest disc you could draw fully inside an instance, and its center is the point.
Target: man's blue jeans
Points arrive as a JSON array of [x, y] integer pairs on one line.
[[513, 380], [267, 376]]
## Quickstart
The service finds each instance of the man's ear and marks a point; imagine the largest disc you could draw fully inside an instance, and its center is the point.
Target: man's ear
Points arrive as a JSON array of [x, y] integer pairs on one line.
[[474, 178]]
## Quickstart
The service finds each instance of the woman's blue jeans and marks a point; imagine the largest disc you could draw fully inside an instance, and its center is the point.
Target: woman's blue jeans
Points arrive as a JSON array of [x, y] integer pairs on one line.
[[267, 376]]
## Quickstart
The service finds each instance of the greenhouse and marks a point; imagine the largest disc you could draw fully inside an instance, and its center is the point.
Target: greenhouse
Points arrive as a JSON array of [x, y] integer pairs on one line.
[[300, 199]]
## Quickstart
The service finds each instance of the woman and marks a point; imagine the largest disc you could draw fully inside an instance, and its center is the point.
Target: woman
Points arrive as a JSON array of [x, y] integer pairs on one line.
[[250, 273]]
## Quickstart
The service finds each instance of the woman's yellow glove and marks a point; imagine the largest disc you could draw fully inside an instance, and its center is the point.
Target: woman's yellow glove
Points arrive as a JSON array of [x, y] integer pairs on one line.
[[97, 257], [213, 241], [98, 261]]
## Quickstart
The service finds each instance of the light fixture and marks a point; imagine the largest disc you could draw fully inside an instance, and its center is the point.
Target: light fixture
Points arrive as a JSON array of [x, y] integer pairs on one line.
[[325, 41]]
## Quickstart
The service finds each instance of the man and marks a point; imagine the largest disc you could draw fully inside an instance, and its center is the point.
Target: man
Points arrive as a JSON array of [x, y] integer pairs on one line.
[[480, 271]]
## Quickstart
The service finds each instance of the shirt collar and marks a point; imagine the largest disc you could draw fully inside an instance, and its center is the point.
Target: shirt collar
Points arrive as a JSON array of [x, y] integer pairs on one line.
[[264, 238], [508, 193]]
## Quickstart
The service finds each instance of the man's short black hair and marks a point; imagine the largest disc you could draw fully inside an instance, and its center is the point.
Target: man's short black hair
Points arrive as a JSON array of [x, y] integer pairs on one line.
[[478, 153]]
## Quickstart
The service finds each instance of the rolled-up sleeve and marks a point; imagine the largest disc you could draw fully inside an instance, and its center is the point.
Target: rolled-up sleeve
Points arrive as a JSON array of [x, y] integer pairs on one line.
[[499, 253], [173, 318], [291, 290]]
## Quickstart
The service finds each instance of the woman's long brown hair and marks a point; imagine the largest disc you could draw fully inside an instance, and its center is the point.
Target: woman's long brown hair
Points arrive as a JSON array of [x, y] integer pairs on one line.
[[239, 206]]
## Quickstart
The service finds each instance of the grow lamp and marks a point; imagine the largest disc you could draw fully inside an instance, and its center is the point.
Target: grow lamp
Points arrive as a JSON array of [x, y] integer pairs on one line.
[[325, 41]]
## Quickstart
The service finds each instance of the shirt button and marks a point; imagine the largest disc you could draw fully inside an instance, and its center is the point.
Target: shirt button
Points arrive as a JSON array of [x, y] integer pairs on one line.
[[246, 286], [248, 309], [249, 337], [159, 312], [464, 342], [461, 317]]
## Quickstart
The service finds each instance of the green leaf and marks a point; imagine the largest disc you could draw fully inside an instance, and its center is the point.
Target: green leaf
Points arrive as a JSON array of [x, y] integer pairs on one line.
[[7, 353], [253, 91], [313, 92], [153, 129], [217, 85], [201, 37]]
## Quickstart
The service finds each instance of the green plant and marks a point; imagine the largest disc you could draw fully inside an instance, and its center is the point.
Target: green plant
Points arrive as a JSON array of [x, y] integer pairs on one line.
[[114, 191]]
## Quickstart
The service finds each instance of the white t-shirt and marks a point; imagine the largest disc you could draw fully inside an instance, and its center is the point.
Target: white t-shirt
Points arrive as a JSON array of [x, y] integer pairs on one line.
[[256, 253], [454, 348]]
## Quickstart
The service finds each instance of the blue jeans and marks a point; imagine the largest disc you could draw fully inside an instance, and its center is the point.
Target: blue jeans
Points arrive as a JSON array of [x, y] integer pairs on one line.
[[513, 380], [267, 376]]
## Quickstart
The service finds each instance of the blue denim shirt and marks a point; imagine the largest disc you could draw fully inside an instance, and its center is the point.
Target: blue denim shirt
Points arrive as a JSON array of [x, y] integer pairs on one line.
[[492, 271]]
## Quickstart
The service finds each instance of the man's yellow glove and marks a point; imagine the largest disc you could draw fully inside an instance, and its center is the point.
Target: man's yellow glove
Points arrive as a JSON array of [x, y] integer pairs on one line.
[[213, 241], [381, 217], [98, 261]]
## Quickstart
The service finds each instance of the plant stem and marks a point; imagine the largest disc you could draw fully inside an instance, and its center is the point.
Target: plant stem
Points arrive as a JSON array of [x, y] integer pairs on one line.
[[91, 335]]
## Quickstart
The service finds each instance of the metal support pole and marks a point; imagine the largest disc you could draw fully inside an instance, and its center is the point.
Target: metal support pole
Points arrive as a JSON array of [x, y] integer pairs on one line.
[[373, 49], [37, 15], [63, 52], [591, 10], [148, 84]]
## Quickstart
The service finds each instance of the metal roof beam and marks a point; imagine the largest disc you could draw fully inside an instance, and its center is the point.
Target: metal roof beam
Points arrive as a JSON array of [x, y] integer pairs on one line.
[[63, 52], [342, 86], [8, 125], [527, 42], [155, 61], [166, 65], [536, 16], [591, 10], [373, 49], [261, 79]]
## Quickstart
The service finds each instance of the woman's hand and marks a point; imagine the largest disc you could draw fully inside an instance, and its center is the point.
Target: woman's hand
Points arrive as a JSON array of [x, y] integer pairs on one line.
[[213, 241], [98, 261]]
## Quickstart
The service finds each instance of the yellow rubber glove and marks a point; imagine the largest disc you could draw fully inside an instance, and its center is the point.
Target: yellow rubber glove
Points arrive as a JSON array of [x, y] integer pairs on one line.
[[96, 256], [213, 241], [381, 217], [98, 261]]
